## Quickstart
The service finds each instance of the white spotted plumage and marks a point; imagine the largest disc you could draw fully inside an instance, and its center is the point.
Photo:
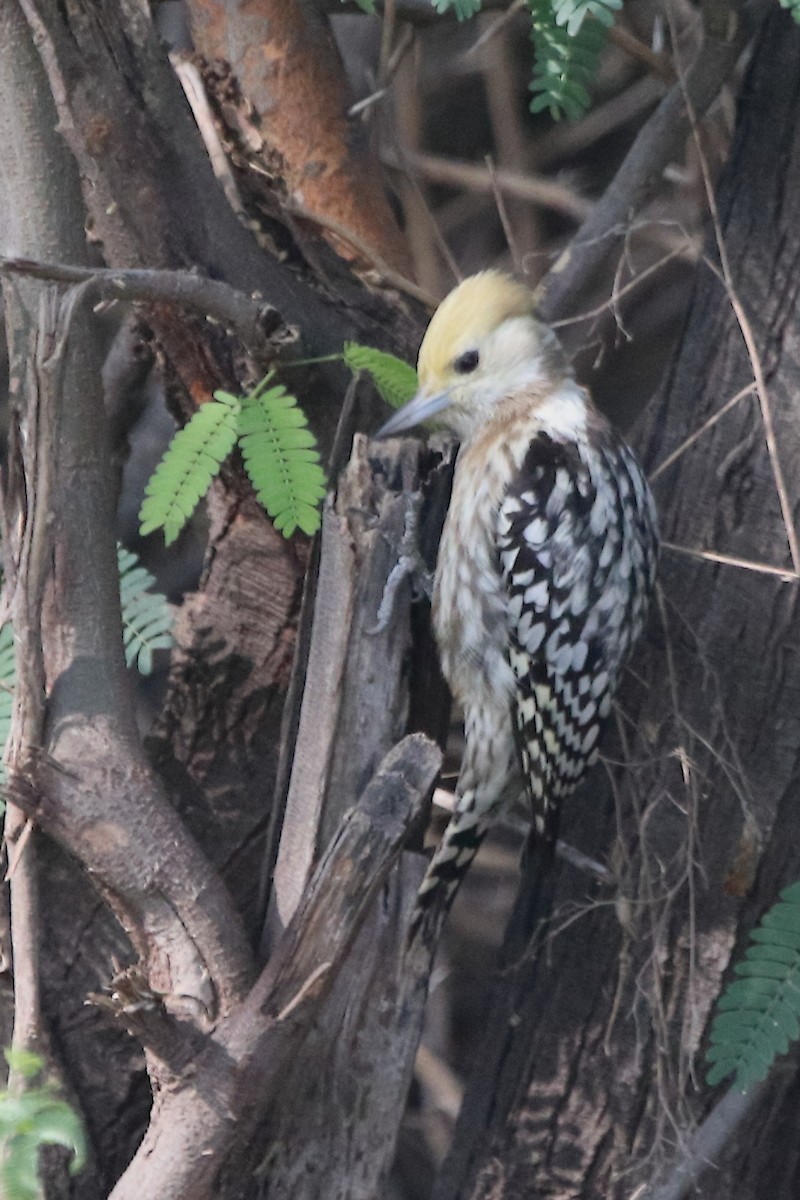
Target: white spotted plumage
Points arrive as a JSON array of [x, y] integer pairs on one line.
[[545, 567]]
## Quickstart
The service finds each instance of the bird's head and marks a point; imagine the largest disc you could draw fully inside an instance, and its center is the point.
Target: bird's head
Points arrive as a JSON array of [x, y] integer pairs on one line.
[[482, 348]]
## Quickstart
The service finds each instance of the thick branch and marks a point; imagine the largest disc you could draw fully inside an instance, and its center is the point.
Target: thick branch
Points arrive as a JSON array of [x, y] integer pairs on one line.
[[95, 791], [75, 738], [151, 195], [235, 1079], [290, 70]]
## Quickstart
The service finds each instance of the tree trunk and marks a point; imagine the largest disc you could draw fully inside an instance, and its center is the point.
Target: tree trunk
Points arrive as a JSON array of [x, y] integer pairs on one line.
[[151, 199], [592, 1065]]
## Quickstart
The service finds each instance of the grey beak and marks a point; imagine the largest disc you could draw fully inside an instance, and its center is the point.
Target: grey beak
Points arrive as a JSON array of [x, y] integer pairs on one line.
[[417, 410]]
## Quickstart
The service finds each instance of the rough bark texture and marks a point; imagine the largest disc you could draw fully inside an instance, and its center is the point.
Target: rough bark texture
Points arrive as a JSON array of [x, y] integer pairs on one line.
[[153, 200], [243, 1066], [355, 705], [289, 69], [297, 1089], [591, 1060]]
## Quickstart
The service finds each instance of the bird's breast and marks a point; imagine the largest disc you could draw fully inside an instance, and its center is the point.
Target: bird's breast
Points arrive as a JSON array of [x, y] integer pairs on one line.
[[469, 599]]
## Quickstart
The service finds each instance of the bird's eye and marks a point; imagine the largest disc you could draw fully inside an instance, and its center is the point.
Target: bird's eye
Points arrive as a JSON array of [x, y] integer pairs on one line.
[[467, 362]]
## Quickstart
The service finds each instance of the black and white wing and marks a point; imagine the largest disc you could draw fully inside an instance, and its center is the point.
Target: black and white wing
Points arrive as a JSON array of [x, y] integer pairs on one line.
[[577, 550]]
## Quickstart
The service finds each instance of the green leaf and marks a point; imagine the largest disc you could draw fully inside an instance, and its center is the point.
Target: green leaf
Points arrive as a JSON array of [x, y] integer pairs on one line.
[[146, 615], [25, 1062], [367, 6], [568, 36], [462, 8], [19, 1179], [55, 1124], [31, 1119], [395, 380], [758, 1015], [281, 459], [778, 937], [793, 7], [192, 459]]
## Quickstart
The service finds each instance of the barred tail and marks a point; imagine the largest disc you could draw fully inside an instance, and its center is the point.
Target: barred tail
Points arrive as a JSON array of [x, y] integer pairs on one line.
[[446, 870]]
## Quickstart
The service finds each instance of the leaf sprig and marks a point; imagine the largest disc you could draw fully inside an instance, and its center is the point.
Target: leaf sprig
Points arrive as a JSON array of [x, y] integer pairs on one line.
[[193, 458], [793, 6], [33, 1118], [758, 1014], [281, 459], [568, 36], [146, 615], [567, 46], [279, 450], [394, 379]]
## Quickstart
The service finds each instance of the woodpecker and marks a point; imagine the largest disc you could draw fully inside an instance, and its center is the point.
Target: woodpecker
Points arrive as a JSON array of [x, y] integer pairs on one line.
[[545, 566]]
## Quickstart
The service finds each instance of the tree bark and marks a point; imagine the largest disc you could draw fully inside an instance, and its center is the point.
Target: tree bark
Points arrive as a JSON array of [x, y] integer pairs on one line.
[[592, 1065], [289, 69], [153, 200]]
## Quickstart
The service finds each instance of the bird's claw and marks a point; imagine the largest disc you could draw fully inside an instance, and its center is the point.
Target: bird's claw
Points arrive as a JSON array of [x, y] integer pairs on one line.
[[409, 565]]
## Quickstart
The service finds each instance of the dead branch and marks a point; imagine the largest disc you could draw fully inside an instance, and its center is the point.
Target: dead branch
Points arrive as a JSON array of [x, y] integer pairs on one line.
[[95, 791], [235, 1078], [259, 325]]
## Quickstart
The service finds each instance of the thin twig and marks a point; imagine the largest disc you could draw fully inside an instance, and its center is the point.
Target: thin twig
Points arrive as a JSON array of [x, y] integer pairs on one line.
[[729, 560], [453, 172], [492, 30], [698, 433], [361, 106], [759, 379], [387, 36], [619, 292], [435, 1076], [404, 44], [19, 845], [430, 216], [304, 990], [706, 1143], [567, 138], [658, 64], [502, 213], [195, 92]]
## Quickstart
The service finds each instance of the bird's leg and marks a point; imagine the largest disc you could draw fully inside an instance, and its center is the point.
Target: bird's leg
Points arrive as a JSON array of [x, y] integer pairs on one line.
[[410, 564]]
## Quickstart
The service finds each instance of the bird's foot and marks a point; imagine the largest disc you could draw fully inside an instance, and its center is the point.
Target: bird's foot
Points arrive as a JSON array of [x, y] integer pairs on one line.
[[410, 565]]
